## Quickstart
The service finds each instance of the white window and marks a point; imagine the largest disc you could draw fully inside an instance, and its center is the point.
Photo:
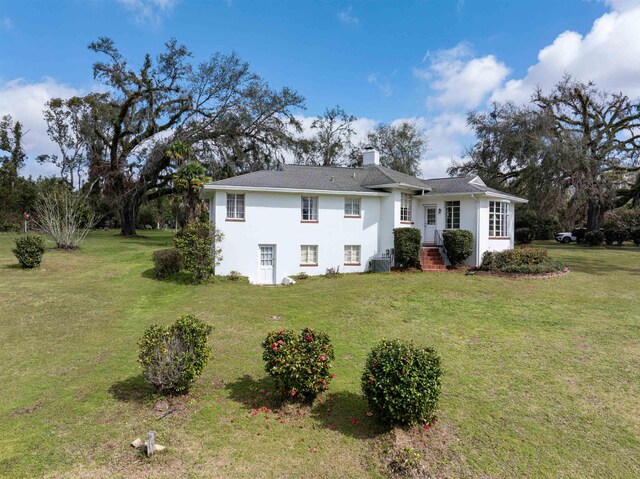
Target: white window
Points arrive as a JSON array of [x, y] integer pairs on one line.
[[453, 215], [405, 207], [498, 218], [309, 208], [352, 206], [352, 254], [235, 206], [309, 254]]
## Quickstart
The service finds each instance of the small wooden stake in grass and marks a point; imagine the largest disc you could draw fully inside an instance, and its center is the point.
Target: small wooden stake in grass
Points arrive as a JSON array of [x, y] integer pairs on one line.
[[151, 443]]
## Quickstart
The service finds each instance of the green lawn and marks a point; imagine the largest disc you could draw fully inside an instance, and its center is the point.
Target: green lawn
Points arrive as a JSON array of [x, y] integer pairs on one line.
[[542, 376]]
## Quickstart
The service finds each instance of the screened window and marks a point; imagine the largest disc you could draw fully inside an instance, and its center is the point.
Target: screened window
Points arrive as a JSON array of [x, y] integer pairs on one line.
[[309, 254], [453, 215], [405, 207], [352, 206], [352, 254], [498, 218], [309, 208], [235, 206]]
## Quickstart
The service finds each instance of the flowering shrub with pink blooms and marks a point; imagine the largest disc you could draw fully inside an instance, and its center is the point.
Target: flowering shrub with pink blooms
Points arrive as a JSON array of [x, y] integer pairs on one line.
[[300, 364], [401, 382]]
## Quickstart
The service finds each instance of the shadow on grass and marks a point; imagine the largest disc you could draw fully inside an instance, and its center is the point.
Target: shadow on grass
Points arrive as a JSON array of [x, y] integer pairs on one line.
[[346, 412], [155, 240], [255, 393], [182, 277], [133, 389], [597, 266], [14, 266], [341, 411]]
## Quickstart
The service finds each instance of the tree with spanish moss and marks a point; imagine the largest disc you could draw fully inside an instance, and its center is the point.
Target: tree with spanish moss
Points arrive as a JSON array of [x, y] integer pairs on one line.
[[228, 115]]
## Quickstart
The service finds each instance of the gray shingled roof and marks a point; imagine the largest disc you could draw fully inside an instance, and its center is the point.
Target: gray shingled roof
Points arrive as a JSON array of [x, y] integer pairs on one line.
[[364, 179], [460, 184], [322, 178]]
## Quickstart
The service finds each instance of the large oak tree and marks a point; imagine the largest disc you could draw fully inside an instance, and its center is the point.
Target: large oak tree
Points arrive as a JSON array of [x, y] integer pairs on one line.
[[228, 115]]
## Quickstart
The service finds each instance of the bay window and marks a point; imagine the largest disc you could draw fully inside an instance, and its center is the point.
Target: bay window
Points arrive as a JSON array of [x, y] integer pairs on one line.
[[498, 219]]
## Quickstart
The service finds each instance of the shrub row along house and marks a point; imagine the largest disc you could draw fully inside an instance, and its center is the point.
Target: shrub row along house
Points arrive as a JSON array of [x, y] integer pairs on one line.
[[277, 223]]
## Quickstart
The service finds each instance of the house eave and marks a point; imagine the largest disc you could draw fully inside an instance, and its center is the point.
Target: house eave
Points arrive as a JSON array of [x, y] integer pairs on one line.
[[400, 185], [208, 190], [489, 194]]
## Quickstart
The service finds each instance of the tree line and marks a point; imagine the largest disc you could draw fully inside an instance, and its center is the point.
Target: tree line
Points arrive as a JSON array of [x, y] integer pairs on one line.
[[161, 130], [152, 135], [573, 152]]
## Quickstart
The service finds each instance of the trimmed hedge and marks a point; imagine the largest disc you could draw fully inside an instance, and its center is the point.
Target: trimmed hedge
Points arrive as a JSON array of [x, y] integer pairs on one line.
[[520, 261], [523, 235], [406, 245], [167, 262], [615, 234], [459, 245], [29, 250], [300, 364], [173, 357], [402, 382]]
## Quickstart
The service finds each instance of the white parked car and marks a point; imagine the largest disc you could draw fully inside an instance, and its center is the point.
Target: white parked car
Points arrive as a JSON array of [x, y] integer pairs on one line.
[[566, 237]]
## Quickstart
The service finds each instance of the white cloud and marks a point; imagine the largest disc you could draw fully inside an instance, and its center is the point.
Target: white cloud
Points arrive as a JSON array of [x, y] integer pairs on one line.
[[25, 101], [458, 79], [608, 55], [149, 12], [447, 134], [345, 16], [383, 85]]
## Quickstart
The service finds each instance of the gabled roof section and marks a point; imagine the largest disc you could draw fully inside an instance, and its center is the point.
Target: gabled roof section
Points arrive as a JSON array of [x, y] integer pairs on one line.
[[465, 185], [381, 175]]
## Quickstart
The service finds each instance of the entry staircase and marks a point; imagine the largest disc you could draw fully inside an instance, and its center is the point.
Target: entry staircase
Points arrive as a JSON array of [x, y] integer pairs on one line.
[[431, 259], [433, 256]]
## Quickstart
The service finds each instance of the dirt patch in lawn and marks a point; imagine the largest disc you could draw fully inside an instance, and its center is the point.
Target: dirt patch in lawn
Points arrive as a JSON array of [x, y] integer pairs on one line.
[[421, 452]]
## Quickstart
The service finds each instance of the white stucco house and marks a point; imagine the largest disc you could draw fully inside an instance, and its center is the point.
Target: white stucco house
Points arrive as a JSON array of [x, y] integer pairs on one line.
[[278, 223]]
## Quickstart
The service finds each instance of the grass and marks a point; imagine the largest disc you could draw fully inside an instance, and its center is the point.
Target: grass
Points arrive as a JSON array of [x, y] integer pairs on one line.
[[541, 375]]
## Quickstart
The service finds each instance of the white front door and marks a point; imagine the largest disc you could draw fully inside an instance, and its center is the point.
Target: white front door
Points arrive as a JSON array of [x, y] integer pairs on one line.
[[429, 224], [267, 264]]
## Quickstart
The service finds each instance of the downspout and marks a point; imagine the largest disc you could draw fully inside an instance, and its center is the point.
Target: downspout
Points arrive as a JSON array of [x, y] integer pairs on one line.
[[477, 238]]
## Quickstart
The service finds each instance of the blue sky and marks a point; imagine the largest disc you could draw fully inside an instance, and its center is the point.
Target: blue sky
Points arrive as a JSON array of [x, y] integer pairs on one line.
[[381, 61]]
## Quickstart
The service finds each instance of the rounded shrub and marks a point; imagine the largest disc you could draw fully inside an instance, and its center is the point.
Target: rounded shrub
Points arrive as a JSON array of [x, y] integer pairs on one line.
[[166, 262], [402, 382], [520, 261], [300, 364], [523, 235], [29, 250], [459, 245], [615, 234], [406, 247], [173, 357], [594, 238], [634, 235]]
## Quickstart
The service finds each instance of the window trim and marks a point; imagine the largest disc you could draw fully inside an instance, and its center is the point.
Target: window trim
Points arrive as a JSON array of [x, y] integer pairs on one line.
[[503, 215], [409, 209], [236, 218], [352, 199], [359, 250], [314, 201], [307, 264], [449, 208]]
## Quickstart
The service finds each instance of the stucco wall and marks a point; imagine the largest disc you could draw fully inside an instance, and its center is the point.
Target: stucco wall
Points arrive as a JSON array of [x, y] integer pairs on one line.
[[275, 218], [489, 244]]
